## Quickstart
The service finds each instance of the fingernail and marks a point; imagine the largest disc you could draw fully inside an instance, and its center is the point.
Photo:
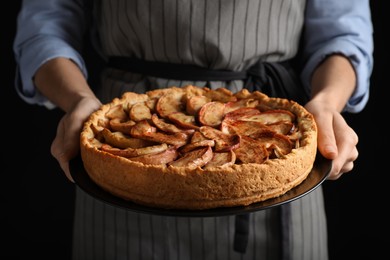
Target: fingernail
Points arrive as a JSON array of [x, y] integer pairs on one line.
[[329, 149]]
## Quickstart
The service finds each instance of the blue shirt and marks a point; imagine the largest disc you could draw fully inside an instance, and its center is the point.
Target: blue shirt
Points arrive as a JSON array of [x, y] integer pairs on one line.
[[50, 29]]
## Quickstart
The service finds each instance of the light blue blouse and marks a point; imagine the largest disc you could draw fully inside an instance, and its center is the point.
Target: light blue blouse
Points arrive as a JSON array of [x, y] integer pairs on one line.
[[49, 29]]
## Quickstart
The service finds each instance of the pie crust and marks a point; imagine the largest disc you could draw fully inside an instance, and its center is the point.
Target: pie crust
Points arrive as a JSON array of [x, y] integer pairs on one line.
[[133, 147]]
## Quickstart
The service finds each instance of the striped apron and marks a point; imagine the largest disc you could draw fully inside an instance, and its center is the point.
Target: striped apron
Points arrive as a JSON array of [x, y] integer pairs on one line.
[[254, 36]]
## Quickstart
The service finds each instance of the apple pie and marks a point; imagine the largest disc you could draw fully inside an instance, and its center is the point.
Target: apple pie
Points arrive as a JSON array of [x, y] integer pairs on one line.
[[198, 148]]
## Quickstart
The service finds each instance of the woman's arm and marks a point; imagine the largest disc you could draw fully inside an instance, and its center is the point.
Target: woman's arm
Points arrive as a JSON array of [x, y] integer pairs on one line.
[[337, 54], [50, 68], [333, 83], [46, 30], [339, 27], [62, 82]]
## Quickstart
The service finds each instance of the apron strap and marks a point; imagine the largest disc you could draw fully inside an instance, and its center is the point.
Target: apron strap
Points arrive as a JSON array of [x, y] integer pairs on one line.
[[174, 71], [241, 234], [276, 79]]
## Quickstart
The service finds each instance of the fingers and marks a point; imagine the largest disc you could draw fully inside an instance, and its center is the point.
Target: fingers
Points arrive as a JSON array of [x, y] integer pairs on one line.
[[336, 140], [345, 140], [326, 137], [341, 166], [65, 146]]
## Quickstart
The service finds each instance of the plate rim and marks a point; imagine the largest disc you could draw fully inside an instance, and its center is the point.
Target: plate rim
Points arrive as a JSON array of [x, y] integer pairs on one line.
[[85, 183]]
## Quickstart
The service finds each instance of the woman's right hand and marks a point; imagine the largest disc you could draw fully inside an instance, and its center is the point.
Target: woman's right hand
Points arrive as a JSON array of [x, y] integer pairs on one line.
[[66, 144], [62, 82]]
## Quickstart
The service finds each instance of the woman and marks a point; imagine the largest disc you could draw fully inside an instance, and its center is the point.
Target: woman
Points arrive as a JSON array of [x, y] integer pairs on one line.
[[316, 52]]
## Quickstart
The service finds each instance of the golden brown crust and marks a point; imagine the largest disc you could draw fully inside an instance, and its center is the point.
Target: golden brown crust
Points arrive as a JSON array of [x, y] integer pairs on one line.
[[170, 187]]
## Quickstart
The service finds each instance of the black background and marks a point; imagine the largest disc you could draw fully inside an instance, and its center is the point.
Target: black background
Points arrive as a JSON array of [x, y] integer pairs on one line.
[[36, 199]]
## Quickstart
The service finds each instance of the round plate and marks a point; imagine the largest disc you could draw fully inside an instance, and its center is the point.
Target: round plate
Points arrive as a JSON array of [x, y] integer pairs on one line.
[[317, 175]]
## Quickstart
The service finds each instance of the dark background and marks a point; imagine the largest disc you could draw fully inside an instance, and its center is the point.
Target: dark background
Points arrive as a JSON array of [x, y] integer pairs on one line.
[[36, 198]]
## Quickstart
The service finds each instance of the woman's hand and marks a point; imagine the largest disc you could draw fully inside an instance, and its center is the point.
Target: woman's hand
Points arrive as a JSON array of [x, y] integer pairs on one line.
[[66, 144], [336, 139], [63, 83], [333, 83]]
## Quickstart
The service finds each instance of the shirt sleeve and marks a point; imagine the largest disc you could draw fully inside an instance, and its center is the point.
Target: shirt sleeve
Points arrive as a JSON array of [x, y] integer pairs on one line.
[[343, 27], [46, 30]]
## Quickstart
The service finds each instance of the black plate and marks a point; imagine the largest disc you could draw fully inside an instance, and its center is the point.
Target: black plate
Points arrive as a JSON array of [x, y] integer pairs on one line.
[[317, 175]]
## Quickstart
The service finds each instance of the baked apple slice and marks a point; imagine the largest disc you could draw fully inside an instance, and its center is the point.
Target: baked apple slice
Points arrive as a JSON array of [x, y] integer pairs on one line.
[[124, 126], [140, 111], [169, 103], [222, 159], [120, 140], [212, 113], [177, 139], [242, 103], [131, 152], [247, 128], [197, 136], [117, 111], [251, 151], [164, 157], [194, 104], [223, 142], [183, 120], [272, 140], [240, 113], [145, 131], [220, 94], [194, 145], [284, 127], [141, 128], [272, 116], [133, 98], [194, 159], [164, 126]]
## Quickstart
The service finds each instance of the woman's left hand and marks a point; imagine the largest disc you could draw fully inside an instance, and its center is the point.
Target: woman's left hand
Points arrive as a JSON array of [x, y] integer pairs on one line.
[[337, 141]]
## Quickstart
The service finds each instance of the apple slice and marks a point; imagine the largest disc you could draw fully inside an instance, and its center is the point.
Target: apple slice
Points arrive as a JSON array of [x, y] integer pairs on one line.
[[222, 159], [141, 128], [194, 145], [131, 152], [247, 128], [212, 113], [151, 104], [220, 94], [164, 126], [283, 127], [120, 140], [124, 126], [117, 111], [195, 158], [145, 131], [197, 136], [223, 142], [194, 104], [272, 116], [133, 98], [140, 111], [164, 157], [251, 151], [272, 140], [242, 112], [183, 120], [97, 131], [169, 103], [242, 103]]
